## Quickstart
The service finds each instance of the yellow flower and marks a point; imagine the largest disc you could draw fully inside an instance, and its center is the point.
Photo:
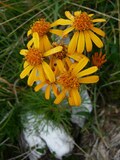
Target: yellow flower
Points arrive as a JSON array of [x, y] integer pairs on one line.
[[71, 79], [42, 27], [98, 59], [49, 86], [63, 57], [84, 31], [35, 64]]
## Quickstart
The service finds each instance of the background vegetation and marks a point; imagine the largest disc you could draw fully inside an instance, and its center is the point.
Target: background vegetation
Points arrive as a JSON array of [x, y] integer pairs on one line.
[[16, 97]]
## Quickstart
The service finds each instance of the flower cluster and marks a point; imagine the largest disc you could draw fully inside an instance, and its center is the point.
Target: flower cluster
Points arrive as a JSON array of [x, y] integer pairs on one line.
[[59, 67]]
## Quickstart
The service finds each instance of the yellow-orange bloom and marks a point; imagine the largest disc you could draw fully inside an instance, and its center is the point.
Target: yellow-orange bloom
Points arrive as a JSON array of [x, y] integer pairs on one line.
[[84, 31], [98, 59], [71, 79], [43, 28], [64, 57], [48, 86], [35, 64]]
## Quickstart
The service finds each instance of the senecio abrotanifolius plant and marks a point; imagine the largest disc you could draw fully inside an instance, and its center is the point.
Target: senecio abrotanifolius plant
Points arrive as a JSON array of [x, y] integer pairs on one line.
[[59, 67]]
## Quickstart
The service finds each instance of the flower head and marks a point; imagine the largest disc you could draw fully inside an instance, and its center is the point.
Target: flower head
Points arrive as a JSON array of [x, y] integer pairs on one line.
[[84, 31], [35, 62], [71, 79], [60, 55], [34, 57], [82, 22], [98, 59], [48, 86], [63, 57], [42, 28]]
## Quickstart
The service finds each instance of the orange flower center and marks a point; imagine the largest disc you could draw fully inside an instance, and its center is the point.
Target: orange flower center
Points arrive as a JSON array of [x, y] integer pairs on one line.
[[34, 57], [41, 27], [68, 80], [60, 55], [82, 22]]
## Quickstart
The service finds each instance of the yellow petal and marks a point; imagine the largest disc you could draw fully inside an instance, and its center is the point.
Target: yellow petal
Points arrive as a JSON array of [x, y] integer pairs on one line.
[[96, 39], [81, 43], [61, 21], [55, 90], [60, 97], [23, 52], [76, 56], [68, 30], [77, 13], [98, 20], [29, 44], [38, 79], [90, 15], [73, 43], [52, 61], [25, 64], [82, 63], [47, 92], [87, 71], [68, 61], [26, 71], [48, 71], [76, 97], [56, 31], [72, 67], [36, 40], [29, 32], [39, 86], [69, 15], [41, 73], [47, 44], [31, 78], [41, 45], [89, 79], [88, 41], [98, 31], [53, 51], [60, 66], [71, 101]]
